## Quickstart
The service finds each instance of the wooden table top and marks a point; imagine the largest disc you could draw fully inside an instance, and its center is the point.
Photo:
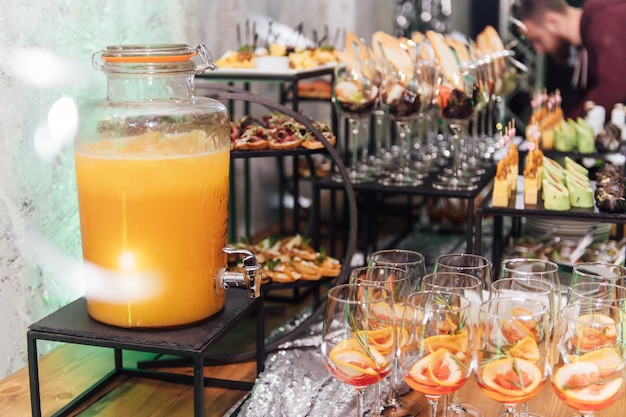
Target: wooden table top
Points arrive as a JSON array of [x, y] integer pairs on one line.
[[68, 370]]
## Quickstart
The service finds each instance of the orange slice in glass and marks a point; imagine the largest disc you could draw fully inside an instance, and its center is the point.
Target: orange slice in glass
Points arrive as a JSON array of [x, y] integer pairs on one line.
[[444, 369], [511, 376], [455, 343], [381, 340], [606, 359], [581, 381], [526, 349], [383, 311], [594, 331], [351, 359], [420, 373], [515, 330], [525, 317]]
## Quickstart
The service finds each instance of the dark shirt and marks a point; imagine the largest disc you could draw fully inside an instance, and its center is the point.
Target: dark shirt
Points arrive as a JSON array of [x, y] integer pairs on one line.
[[603, 34]]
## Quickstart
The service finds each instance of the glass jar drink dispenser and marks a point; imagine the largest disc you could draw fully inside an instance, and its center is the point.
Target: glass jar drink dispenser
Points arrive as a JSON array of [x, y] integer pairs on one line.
[[152, 171]]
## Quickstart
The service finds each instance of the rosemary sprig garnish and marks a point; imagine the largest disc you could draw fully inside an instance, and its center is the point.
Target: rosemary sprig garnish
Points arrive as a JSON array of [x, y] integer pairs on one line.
[[457, 318], [582, 386], [359, 335], [520, 377]]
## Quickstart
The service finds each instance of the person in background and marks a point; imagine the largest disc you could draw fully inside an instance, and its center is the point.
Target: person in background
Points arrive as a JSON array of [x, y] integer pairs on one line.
[[596, 32]]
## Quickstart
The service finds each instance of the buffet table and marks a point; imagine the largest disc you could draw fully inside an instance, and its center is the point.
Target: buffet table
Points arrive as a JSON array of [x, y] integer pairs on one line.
[[295, 383]]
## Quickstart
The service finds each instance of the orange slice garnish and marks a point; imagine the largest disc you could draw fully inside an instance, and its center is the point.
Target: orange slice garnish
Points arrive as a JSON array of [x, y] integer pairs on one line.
[[594, 331], [526, 349], [455, 343], [606, 359], [511, 376], [525, 317], [351, 359], [515, 330], [444, 369], [381, 339], [582, 382]]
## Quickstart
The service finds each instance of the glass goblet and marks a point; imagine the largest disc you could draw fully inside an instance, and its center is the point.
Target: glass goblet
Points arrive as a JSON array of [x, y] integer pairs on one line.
[[512, 350], [411, 261], [458, 102], [599, 292], [449, 278], [598, 271], [534, 268], [355, 94], [437, 359], [467, 263], [398, 282], [588, 367], [402, 94], [359, 336]]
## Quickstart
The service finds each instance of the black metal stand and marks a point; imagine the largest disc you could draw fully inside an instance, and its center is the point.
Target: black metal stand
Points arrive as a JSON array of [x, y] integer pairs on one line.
[[72, 324]]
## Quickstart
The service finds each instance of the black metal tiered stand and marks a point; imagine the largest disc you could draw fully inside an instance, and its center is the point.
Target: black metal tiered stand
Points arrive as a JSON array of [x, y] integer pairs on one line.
[[72, 324]]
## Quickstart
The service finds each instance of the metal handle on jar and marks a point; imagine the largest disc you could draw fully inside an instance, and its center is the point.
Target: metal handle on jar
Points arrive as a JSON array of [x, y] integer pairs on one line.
[[207, 58], [249, 278]]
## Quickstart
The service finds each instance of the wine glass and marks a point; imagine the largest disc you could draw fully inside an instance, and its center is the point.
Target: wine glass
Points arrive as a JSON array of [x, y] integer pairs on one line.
[[437, 359], [512, 349], [458, 102], [411, 261], [534, 268], [467, 263], [426, 150], [453, 280], [466, 285], [359, 336], [402, 94], [600, 292], [598, 271], [588, 356], [535, 289], [398, 282], [355, 93]]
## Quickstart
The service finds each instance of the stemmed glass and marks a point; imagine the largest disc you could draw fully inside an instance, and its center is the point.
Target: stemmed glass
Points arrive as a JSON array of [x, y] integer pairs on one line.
[[450, 278], [437, 360], [598, 271], [467, 263], [426, 150], [535, 289], [398, 282], [402, 94], [522, 268], [359, 336], [588, 356], [458, 102], [411, 261], [512, 349], [599, 292], [355, 93]]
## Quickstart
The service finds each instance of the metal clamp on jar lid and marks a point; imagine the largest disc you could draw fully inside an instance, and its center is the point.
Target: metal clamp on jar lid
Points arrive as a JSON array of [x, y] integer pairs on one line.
[[155, 57]]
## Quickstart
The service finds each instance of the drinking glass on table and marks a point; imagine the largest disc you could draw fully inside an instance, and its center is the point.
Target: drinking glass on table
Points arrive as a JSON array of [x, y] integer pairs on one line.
[[599, 292], [411, 261], [397, 281], [522, 268], [512, 350], [588, 367], [598, 271], [359, 336], [467, 263], [437, 359], [355, 94], [470, 286]]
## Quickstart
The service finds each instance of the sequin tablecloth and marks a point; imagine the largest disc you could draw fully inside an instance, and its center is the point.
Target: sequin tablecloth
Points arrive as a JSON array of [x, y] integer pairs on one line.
[[297, 383]]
